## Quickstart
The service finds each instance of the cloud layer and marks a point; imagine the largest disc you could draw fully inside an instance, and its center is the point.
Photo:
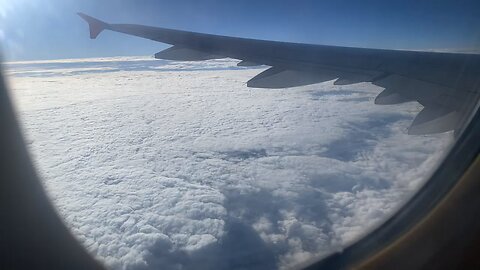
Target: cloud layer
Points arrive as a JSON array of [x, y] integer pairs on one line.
[[180, 165]]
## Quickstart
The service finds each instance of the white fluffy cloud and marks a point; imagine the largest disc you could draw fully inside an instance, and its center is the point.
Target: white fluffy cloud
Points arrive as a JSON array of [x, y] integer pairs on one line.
[[179, 165]]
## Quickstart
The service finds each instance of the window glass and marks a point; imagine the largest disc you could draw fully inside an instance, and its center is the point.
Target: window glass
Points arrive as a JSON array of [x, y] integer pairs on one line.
[[178, 164]]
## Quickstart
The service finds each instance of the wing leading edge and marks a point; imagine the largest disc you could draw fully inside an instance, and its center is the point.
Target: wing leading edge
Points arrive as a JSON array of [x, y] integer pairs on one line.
[[446, 84]]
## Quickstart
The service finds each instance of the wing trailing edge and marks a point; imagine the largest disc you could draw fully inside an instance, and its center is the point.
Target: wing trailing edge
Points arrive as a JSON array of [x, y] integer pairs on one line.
[[391, 97], [434, 120], [179, 53], [245, 63], [283, 78]]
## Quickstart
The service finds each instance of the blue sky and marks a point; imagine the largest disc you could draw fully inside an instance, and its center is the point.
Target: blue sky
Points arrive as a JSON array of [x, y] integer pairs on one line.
[[50, 29]]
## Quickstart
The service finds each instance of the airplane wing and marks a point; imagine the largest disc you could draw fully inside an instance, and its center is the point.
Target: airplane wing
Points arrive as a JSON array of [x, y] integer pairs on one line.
[[446, 84]]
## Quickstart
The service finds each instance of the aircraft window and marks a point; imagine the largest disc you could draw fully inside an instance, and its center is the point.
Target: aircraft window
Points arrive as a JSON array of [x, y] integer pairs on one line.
[[183, 164]]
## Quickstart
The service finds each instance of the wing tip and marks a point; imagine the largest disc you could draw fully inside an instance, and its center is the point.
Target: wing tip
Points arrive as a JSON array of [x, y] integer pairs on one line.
[[96, 26]]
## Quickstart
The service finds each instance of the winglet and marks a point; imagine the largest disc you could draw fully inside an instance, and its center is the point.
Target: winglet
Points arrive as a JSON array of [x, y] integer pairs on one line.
[[96, 26]]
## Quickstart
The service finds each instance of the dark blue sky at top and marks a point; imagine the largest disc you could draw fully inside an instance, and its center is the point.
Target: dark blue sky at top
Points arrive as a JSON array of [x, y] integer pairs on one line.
[[50, 29]]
